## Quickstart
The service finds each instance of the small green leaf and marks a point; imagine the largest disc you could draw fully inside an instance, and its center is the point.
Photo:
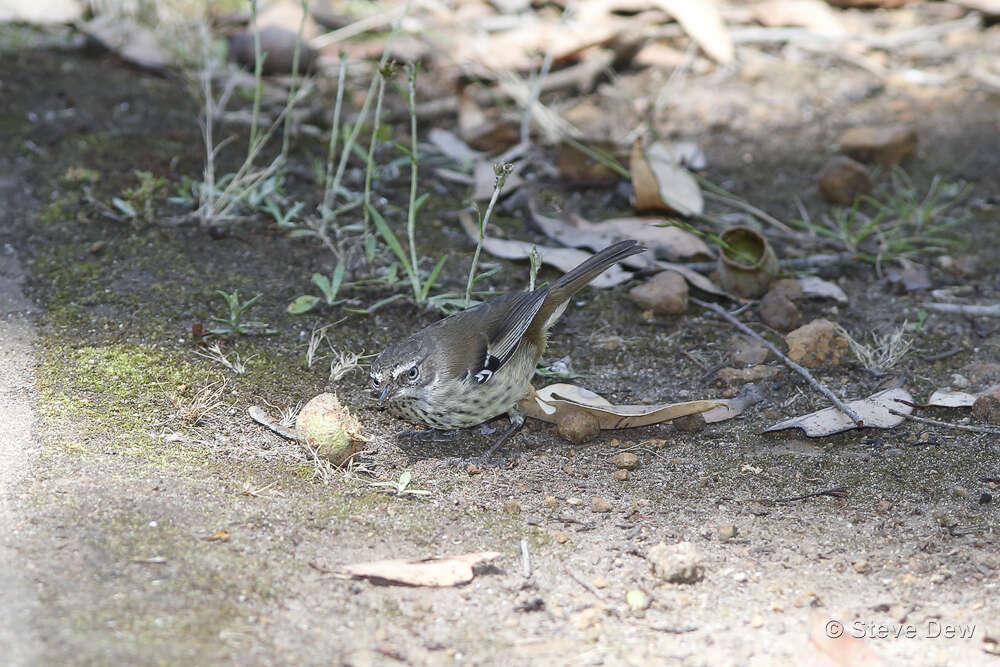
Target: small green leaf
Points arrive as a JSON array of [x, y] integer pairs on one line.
[[420, 202], [322, 282], [303, 304], [390, 239], [124, 207], [335, 282], [430, 279], [404, 150], [404, 479]]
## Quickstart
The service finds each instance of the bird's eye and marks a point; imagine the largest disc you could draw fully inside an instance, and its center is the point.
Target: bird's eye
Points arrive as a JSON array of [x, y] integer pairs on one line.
[[413, 373]]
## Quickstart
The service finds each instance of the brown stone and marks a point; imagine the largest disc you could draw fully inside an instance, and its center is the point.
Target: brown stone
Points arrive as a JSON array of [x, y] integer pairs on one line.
[[842, 180], [987, 406], [689, 423], [817, 343], [666, 293], [599, 505], [778, 312], [789, 287], [881, 145], [747, 351], [678, 563], [626, 460], [578, 426]]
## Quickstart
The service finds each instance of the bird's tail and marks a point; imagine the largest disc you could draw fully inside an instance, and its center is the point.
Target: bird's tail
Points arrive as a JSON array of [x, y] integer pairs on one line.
[[562, 290], [578, 278]]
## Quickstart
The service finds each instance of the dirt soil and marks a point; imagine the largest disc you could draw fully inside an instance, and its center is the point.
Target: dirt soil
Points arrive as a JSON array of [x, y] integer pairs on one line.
[[135, 533]]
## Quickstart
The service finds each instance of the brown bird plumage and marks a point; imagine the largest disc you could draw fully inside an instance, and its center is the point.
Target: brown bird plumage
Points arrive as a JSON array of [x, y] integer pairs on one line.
[[477, 364]]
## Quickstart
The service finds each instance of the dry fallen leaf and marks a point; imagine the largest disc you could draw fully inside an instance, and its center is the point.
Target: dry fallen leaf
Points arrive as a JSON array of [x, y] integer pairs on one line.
[[552, 403], [564, 259], [660, 182], [749, 395], [449, 145], [812, 14], [817, 288], [702, 22], [832, 645], [874, 412], [943, 398], [436, 572], [674, 243]]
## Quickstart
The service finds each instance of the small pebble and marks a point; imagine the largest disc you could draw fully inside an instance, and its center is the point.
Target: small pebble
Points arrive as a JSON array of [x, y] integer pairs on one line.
[[678, 563], [689, 423], [726, 532], [626, 460], [599, 505], [862, 566], [551, 502], [511, 507], [621, 475], [574, 501]]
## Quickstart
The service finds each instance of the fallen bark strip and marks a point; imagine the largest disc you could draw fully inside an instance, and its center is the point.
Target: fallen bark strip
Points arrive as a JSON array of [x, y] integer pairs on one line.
[[964, 309]]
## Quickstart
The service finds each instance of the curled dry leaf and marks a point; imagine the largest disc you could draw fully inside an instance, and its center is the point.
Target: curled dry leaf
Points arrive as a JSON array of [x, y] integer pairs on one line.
[[702, 22], [874, 412], [437, 572], [561, 258], [552, 403], [735, 406], [660, 182], [663, 240]]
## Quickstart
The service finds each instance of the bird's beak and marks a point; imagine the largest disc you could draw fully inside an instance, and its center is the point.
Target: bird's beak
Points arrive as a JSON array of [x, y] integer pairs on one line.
[[385, 393]]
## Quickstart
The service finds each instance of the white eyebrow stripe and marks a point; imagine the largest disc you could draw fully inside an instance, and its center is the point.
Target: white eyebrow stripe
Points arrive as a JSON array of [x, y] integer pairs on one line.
[[399, 371]]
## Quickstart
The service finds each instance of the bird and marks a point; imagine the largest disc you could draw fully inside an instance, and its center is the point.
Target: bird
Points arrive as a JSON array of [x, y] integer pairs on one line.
[[475, 365]]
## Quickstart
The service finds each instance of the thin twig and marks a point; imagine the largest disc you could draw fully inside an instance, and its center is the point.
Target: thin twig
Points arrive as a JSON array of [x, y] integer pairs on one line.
[[957, 427], [583, 583], [525, 559], [836, 492], [813, 382], [943, 355], [963, 309], [746, 206]]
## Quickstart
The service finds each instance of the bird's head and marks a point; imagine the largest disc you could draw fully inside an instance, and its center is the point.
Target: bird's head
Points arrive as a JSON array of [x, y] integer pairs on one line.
[[402, 371]]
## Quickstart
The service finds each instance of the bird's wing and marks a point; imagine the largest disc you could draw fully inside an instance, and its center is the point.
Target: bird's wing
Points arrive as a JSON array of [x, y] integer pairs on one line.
[[510, 322]]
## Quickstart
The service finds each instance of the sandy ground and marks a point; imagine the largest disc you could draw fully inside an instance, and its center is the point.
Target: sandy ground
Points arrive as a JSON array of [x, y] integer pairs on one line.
[[132, 536]]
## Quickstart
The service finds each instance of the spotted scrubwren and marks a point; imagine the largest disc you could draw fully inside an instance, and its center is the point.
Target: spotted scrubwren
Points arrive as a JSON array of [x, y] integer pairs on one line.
[[477, 364]]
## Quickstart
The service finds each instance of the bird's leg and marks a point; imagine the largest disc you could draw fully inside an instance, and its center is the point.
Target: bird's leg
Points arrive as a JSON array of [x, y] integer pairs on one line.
[[516, 422]]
